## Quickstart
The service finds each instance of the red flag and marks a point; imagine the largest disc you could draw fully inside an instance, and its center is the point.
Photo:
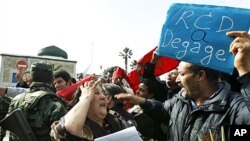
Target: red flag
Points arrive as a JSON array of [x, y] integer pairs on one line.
[[69, 91], [163, 64], [118, 73], [134, 79], [121, 73], [147, 57]]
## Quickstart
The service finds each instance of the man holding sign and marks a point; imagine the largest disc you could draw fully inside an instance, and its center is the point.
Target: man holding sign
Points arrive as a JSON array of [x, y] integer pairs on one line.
[[205, 108], [240, 48]]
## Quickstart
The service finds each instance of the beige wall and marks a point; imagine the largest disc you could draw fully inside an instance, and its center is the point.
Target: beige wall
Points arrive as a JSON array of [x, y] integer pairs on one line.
[[8, 66]]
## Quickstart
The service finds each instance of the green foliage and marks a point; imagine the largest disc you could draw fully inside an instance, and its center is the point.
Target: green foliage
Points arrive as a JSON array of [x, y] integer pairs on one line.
[[133, 64], [126, 54]]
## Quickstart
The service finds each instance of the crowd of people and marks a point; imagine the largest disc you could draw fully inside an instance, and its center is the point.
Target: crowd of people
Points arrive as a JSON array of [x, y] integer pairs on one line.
[[193, 102]]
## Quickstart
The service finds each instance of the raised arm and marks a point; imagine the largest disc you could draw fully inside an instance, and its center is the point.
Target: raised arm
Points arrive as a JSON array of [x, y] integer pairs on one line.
[[149, 67], [12, 91], [2, 91], [75, 118], [240, 47]]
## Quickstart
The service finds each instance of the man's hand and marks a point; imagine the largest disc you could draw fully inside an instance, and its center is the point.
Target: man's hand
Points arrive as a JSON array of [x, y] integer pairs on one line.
[[2, 91], [240, 47], [130, 98], [19, 76], [154, 58]]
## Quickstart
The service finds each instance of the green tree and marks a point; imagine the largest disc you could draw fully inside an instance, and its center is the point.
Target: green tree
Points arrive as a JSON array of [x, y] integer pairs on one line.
[[133, 64], [126, 54]]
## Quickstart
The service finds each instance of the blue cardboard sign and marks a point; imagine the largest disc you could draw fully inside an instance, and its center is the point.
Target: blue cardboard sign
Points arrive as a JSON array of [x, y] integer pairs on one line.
[[197, 34]]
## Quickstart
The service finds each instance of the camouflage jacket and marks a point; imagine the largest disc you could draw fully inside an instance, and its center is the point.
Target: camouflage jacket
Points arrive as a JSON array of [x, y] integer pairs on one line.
[[4, 105], [41, 107]]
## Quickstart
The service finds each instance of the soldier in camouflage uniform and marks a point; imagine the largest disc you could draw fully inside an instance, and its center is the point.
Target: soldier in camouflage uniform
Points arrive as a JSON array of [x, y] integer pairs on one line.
[[4, 104], [41, 106]]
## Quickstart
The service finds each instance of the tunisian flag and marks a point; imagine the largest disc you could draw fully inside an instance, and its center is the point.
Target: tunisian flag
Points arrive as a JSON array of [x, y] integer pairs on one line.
[[134, 78], [69, 91], [163, 65]]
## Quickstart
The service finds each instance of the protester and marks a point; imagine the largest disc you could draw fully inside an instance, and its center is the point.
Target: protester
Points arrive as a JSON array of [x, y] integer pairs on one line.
[[240, 47], [204, 104], [121, 79], [172, 87], [23, 79], [149, 128], [93, 119], [62, 79], [149, 88], [169, 85], [110, 90], [40, 105], [149, 77], [22, 85], [109, 73]]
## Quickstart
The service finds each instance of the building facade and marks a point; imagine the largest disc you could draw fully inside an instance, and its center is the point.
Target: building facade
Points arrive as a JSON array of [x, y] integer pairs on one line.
[[10, 64]]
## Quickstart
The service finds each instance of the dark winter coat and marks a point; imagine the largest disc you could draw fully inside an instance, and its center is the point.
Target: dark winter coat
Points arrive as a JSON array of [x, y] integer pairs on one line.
[[245, 89], [223, 108]]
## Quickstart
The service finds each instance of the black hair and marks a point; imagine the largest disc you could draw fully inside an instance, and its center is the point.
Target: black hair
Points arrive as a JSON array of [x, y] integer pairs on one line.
[[73, 80], [62, 73], [212, 75], [154, 87], [151, 84]]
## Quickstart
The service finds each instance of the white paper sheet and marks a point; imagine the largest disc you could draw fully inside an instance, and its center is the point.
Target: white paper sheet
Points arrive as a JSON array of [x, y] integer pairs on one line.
[[128, 134]]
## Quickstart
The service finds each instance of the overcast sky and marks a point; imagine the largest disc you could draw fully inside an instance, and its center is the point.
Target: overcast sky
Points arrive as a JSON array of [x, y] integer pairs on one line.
[[90, 31]]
